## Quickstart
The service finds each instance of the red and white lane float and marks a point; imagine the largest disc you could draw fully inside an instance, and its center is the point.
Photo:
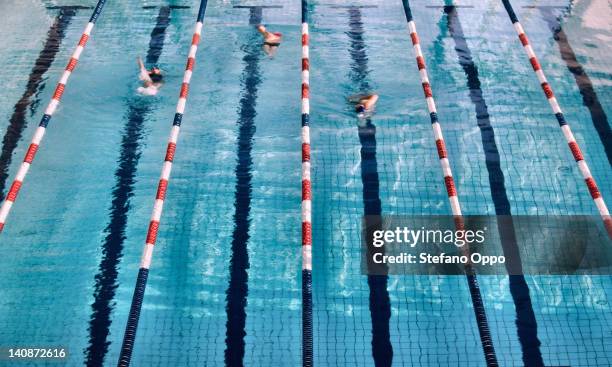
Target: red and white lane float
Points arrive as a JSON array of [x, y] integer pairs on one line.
[[307, 337], [11, 196], [141, 281], [475, 293], [567, 131]]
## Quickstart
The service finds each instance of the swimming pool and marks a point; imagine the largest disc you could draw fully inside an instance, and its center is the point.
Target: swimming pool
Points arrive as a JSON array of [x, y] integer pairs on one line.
[[224, 285]]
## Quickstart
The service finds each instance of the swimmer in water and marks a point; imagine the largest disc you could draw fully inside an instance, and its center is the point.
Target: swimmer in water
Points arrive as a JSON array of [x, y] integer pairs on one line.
[[364, 104], [152, 79], [271, 40]]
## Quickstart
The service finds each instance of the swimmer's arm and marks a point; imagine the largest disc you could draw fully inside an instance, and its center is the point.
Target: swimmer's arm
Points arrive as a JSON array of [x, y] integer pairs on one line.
[[144, 73], [141, 64], [262, 30], [370, 102]]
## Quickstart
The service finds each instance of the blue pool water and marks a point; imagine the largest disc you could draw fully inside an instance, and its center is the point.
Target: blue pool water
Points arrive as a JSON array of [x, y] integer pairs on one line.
[[228, 253]]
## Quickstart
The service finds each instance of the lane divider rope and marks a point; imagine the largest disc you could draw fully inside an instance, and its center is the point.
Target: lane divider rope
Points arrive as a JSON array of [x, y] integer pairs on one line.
[[46, 118], [307, 342], [477, 302], [141, 281], [526, 323], [565, 128]]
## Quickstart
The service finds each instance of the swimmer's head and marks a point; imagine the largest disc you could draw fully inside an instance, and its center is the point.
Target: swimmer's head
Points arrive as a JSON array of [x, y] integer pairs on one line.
[[156, 77], [360, 108]]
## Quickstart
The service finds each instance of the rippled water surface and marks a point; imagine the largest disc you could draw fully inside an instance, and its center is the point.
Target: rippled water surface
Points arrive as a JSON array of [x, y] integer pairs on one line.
[[228, 253]]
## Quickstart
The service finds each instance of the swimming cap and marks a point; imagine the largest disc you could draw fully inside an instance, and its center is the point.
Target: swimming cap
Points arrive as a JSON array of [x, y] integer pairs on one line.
[[360, 108], [156, 78]]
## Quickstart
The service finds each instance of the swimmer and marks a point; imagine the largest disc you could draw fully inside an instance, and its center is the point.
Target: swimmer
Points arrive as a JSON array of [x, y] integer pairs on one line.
[[364, 103], [271, 40], [152, 79]]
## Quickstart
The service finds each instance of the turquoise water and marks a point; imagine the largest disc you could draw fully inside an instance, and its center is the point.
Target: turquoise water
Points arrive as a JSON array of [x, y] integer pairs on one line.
[[52, 246]]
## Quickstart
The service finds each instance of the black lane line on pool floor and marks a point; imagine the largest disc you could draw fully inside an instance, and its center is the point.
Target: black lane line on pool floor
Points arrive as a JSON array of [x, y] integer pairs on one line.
[[589, 96], [238, 289], [379, 303], [36, 84], [482, 323], [525, 318], [112, 248]]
